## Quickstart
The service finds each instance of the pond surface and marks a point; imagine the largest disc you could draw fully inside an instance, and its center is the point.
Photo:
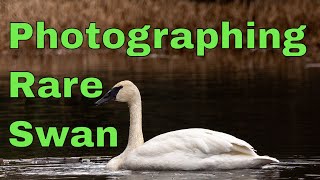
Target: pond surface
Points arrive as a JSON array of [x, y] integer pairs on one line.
[[272, 104], [94, 167]]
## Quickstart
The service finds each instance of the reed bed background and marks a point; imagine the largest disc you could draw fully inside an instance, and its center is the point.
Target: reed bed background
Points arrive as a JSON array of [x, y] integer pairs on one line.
[[127, 14]]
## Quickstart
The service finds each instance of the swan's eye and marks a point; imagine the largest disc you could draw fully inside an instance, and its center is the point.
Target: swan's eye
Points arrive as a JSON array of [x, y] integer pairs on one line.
[[114, 91], [118, 88], [110, 96]]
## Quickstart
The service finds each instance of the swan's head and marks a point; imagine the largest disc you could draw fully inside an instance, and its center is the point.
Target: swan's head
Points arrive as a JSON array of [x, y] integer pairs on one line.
[[124, 91]]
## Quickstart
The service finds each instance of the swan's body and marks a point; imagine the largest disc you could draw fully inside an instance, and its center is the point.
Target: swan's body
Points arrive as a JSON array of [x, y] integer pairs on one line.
[[188, 149]]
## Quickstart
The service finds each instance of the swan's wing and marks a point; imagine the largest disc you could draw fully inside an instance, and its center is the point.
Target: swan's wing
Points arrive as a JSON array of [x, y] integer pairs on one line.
[[194, 149], [199, 142]]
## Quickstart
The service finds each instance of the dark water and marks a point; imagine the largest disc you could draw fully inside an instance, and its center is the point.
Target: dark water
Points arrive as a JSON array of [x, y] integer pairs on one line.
[[94, 167], [273, 105]]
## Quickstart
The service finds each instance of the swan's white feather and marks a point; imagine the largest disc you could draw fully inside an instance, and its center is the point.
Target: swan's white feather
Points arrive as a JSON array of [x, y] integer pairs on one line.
[[194, 149]]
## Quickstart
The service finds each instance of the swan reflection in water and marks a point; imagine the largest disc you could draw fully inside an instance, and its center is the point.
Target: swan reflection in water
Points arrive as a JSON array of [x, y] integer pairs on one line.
[[49, 168]]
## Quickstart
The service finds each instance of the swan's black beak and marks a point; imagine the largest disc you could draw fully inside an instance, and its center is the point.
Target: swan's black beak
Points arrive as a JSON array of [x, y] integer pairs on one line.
[[110, 96], [105, 99]]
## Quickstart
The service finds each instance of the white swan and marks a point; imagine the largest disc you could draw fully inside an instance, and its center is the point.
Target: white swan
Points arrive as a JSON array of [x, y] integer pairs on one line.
[[187, 149]]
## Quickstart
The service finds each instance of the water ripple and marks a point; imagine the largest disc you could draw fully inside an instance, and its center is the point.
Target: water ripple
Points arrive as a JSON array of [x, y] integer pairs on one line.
[[84, 167]]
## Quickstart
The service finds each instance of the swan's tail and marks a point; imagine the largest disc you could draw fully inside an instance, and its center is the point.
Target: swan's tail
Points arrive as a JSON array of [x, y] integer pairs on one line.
[[264, 160]]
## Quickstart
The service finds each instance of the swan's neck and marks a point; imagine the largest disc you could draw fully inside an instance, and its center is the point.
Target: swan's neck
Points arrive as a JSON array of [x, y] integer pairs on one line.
[[135, 130]]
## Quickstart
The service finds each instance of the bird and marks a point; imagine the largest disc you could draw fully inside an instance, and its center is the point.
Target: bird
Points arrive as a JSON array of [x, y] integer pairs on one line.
[[190, 149]]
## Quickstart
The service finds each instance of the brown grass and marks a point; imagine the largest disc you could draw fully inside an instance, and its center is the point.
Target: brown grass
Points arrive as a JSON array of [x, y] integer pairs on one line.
[[127, 14]]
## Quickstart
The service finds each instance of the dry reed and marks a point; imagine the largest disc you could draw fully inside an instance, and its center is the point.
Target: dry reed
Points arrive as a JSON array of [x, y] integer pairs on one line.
[[127, 14]]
